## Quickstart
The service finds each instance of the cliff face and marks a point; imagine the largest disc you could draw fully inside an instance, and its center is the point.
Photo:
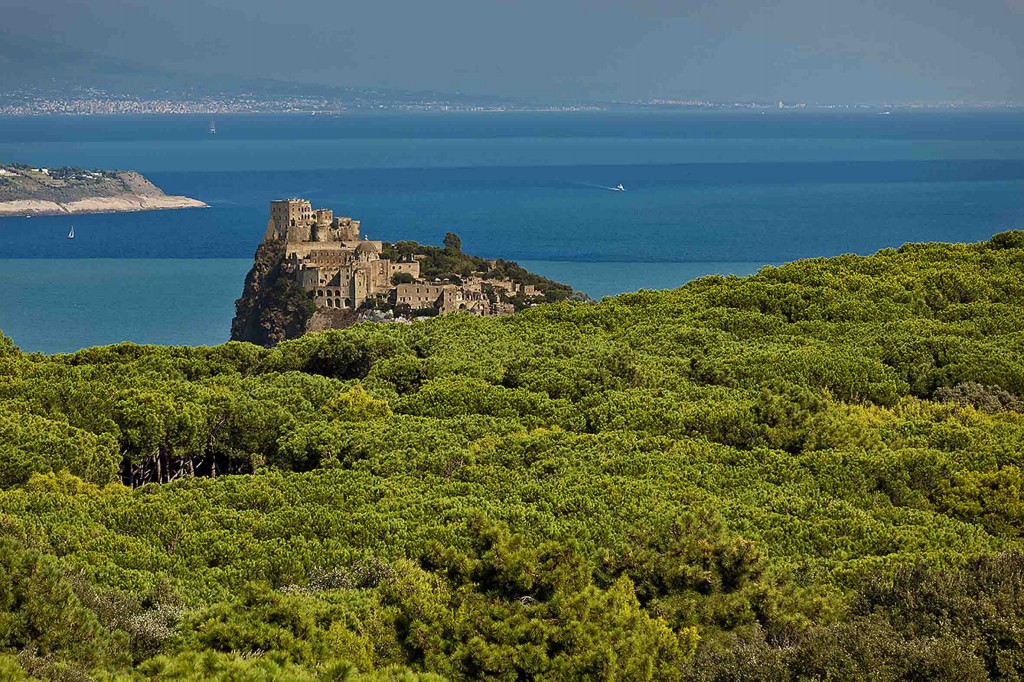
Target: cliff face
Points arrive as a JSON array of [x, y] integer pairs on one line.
[[273, 307]]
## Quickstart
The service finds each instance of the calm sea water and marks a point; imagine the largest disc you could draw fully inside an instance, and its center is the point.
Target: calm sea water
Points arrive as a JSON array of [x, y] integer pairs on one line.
[[705, 193]]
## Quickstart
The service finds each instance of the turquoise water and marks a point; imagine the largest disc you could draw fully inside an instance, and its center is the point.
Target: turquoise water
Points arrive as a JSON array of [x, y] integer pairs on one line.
[[705, 192], [55, 306], [63, 305], [608, 279]]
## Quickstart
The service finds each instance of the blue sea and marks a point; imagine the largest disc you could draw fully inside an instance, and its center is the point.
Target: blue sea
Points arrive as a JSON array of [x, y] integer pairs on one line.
[[706, 192]]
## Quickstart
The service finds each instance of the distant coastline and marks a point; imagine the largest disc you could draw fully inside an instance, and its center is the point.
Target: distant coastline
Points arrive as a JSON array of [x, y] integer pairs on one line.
[[72, 102], [27, 191]]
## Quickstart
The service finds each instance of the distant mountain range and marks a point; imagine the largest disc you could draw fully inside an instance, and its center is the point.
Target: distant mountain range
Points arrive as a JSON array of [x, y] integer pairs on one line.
[[34, 68], [26, 63], [38, 77]]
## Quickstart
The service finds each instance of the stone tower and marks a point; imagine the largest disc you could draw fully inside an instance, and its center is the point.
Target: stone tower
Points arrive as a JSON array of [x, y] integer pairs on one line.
[[289, 213]]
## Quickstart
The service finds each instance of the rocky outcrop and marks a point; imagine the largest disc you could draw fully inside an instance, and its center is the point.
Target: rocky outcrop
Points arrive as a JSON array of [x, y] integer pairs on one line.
[[313, 273], [273, 307]]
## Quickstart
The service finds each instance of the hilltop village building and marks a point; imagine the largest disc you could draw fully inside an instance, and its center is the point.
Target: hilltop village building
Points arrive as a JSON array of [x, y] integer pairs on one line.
[[342, 271]]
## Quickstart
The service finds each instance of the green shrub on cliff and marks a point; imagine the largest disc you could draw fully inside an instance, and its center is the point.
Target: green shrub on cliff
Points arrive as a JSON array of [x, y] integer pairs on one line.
[[449, 262]]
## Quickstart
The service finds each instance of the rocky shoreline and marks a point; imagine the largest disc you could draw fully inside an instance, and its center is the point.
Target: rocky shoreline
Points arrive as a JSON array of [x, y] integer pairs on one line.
[[116, 204]]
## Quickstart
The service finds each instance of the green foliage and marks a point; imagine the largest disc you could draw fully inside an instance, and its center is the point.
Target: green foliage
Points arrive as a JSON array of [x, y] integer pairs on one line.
[[31, 444], [43, 620], [7, 347], [812, 473], [1011, 239], [11, 670], [402, 278], [452, 243], [450, 262], [287, 294], [355, 405], [920, 623]]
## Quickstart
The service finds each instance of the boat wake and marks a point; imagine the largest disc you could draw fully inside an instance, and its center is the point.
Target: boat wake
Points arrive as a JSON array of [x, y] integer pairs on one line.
[[617, 188]]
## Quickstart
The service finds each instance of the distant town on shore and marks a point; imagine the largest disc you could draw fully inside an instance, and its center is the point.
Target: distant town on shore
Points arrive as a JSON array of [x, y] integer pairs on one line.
[[327, 101]]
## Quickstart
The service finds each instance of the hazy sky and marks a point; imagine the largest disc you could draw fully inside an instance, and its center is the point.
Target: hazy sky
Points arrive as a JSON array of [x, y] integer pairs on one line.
[[810, 50]]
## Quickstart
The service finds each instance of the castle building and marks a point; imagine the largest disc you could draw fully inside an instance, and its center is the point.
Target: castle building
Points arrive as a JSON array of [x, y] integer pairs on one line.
[[327, 258]]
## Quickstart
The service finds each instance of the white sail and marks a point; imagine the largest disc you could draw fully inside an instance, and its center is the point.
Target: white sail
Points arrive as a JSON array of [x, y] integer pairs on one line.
[[71, 233]]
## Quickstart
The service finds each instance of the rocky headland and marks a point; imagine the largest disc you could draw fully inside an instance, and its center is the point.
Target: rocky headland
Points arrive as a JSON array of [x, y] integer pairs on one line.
[[26, 191], [273, 308]]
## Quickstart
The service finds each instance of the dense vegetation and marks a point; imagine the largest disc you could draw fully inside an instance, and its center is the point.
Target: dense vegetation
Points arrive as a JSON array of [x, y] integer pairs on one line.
[[812, 473]]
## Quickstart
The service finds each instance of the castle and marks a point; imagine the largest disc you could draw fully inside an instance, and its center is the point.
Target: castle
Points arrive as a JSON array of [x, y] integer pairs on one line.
[[326, 257]]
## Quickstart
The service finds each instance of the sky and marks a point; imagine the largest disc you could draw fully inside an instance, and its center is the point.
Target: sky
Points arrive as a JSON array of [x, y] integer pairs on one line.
[[821, 51]]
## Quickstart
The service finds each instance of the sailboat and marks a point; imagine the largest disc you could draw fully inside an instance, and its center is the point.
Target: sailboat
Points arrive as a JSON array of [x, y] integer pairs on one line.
[[213, 128], [71, 232]]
